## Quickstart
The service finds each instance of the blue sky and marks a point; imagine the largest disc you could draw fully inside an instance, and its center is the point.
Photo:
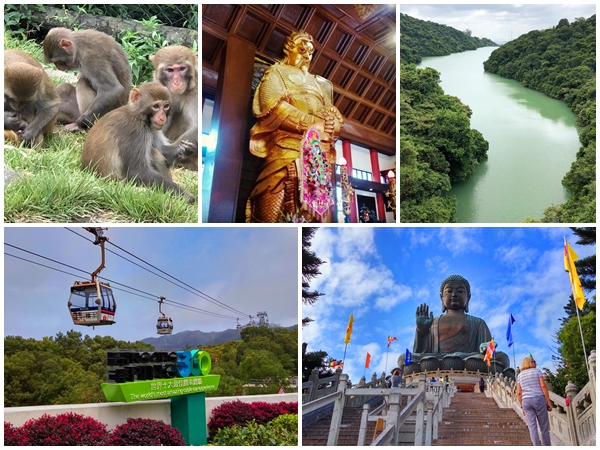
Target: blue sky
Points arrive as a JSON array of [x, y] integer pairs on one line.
[[498, 22], [250, 269], [381, 275]]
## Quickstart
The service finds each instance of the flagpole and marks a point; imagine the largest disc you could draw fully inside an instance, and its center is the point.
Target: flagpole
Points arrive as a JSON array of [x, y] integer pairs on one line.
[[572, 279], [582, 341], [386, 358], [343, 360]]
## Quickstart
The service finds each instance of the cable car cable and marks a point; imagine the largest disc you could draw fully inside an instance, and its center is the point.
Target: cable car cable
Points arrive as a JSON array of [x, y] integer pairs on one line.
[[176, 304], [203, 295]]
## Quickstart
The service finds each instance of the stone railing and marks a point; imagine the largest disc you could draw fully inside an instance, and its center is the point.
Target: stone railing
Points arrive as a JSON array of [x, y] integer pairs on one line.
[[317, 387], [424, 406], [569, 425]]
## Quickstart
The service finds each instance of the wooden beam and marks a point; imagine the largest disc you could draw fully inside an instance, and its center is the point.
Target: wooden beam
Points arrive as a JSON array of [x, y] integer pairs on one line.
[[232, 103]]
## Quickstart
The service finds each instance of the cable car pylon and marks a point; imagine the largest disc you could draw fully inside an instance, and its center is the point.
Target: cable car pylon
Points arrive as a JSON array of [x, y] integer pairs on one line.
[[92, 302]]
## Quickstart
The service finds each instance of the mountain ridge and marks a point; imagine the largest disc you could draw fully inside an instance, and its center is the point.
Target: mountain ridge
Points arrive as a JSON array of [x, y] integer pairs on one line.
[[197, 338]]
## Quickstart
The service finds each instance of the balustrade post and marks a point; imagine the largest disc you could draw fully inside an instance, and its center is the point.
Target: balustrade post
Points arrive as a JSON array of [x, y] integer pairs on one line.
[[314, 377], [362, 433], [571, 391], [437, 416], [338, 409], [420, 413], [592, 374], [394, 413]]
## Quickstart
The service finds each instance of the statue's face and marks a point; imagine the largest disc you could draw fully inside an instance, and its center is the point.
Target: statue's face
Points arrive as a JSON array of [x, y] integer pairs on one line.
[[301, 55], [455, 296]]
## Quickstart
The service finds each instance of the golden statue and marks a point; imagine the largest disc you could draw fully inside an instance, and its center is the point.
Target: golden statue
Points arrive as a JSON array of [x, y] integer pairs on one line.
[[295, 132]]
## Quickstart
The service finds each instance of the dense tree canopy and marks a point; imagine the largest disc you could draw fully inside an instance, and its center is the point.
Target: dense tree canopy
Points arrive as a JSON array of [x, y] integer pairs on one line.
[[68, 368], [310, 269], [437, 146], [424, 38], [561, 63]]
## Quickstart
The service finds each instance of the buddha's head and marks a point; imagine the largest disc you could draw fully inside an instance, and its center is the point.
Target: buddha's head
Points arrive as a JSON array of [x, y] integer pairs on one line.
[[455, 293], [298, 49]]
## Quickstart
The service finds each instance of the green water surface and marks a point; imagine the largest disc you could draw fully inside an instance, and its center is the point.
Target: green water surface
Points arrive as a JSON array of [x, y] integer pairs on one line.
[[533, 141]]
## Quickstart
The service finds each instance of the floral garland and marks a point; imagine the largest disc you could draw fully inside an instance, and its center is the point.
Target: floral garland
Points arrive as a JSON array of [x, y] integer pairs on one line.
[[316, 187]]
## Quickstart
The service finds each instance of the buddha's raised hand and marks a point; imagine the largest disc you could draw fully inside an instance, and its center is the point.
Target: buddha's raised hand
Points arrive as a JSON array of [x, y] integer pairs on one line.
[[424, 319]]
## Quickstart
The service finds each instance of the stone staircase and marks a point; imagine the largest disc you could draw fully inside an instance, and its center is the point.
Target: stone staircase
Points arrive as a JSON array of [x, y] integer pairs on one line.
[[317, 432], [474, 419]]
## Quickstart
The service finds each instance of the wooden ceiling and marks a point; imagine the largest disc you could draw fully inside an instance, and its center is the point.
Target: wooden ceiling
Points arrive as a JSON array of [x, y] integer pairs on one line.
[[355, 48]]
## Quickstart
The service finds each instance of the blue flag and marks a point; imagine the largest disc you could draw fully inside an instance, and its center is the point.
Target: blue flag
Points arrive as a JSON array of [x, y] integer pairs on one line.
[[509, 336], [408, 358]]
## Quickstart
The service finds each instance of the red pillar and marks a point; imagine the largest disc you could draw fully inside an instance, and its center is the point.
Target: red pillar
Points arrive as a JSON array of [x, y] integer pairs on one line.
[[375, 166], [347, 153], [377, 178]]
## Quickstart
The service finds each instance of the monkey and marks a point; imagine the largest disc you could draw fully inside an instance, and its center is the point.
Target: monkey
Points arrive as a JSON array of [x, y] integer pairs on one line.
[[69, 110], [30, 99], [104, 75], [176, 67], [128, 142]]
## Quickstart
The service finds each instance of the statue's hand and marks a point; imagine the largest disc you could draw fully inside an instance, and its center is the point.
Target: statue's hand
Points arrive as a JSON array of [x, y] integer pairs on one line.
[[424, 319]]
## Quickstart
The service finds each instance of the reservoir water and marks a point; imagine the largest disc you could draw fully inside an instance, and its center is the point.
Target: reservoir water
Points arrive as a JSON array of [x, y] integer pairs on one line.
[[533, 141]]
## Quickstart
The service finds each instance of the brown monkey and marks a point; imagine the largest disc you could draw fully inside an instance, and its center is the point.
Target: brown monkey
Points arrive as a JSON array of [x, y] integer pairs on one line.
[[176, 67], [127, 143], [69, 110], [30, 99], [104, 75]]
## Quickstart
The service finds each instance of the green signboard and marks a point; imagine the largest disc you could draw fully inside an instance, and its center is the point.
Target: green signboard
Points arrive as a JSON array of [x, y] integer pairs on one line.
[[136, 391]]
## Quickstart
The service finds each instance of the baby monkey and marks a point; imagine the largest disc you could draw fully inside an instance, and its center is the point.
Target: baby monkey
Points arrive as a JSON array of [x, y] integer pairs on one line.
[[128, 142]]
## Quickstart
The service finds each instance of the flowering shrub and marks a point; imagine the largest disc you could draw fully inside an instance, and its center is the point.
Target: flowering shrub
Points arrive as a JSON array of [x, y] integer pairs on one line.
[[255, 434], [64, 429], [145, 432], [231, 413], [12, 435]]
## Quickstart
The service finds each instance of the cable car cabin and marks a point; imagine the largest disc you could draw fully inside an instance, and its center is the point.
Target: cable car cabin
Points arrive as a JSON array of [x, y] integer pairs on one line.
[[92, 303], [164, 325]]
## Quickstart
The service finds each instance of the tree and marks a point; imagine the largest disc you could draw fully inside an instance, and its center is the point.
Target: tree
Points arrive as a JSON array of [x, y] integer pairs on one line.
[[310, 269], [314, 360], [468, 32], [570, 357]]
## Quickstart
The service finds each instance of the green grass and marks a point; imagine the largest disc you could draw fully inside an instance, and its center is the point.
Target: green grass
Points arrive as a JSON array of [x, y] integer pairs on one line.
[[52, 187]]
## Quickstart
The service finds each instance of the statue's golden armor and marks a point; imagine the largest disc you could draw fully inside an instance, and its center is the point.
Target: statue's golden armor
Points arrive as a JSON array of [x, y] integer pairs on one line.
[[288, 102]]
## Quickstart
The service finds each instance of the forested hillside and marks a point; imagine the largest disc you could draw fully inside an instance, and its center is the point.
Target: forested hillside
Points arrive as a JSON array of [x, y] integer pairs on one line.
[[68, 368], [420, 38], [561, 63], [437, 146]]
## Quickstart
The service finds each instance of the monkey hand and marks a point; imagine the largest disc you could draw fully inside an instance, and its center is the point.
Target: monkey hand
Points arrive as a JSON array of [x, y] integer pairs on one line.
[[186, 148], [73, 128], [27, 136], [85, 121], [13, 121]]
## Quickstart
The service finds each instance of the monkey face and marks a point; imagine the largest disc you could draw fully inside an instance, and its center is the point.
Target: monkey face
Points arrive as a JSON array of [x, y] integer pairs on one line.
[[158, 114], [176, 77]]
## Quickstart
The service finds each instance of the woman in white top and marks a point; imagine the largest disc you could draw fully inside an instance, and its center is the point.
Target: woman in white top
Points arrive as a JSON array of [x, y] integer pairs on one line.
[[535, 400]]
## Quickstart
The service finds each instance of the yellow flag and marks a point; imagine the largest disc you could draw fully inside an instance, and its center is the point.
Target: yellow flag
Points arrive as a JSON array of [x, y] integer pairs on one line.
[[570, 258], [349, 330]]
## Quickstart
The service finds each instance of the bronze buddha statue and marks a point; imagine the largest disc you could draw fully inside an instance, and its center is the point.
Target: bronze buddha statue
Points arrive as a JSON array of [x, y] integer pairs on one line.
[[454, 340]]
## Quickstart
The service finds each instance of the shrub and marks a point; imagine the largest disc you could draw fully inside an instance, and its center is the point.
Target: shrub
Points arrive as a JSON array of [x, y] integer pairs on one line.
[[239, 413], [255, 434], [288, 422], [64, 429], [145, 432], [13, 436]]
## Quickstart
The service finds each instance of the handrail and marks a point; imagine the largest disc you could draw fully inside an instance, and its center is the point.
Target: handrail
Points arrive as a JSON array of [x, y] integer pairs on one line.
[[320, 402]]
